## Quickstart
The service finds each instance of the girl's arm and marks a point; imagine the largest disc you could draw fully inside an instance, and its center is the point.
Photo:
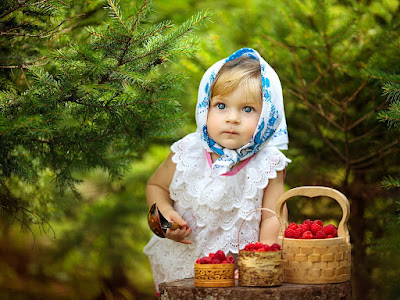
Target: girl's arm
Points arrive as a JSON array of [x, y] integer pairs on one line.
[[157, 191], [270, 226]]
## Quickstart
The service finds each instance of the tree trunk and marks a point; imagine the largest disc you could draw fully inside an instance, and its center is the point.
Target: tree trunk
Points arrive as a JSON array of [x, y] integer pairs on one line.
[[359, 193], [185, 289]]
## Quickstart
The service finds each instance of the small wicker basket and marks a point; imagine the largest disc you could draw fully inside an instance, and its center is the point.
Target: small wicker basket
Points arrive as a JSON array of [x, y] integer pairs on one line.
[[317, 261], [214, 275], [260, 268]]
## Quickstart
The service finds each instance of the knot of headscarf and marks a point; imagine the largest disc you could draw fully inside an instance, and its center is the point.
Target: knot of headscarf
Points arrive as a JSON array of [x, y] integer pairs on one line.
[[271, 128]]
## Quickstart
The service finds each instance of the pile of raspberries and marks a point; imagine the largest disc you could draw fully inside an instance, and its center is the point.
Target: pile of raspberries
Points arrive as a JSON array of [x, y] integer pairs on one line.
[[260, 247], [216, 258], [311, 230]]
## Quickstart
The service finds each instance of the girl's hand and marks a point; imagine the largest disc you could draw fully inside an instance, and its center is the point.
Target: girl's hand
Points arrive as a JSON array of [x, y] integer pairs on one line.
[[180, 234]]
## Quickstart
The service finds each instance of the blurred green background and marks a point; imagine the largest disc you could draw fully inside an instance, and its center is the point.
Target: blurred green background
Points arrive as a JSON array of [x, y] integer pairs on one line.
[[332, 57]]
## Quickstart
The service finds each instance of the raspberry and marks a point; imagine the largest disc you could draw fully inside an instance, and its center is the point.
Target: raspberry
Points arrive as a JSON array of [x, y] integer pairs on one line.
[[216, 258], [315, 227], [205, 260], [220, 255], [307, 235], [290, 233], [258, 245], [292, 226], [330, 229], [320, 234], [319, 222], [275, 247], [298, 232], [249, 247], [267, 248], [304, 227], [307, 223]]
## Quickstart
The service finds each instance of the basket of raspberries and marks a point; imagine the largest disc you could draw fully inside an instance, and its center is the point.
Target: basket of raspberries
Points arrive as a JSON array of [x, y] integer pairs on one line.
[[260, 265], [215, 270], [314, 252]]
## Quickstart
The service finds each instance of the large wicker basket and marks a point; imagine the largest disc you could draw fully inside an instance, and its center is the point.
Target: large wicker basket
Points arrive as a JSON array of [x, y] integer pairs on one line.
[[260, 268], [317, 261]]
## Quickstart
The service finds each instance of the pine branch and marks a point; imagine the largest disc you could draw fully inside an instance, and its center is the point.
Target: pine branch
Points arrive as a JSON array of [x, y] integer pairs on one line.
[[97, 104], [383, 76], [138, 15], [376, 153], [392, 91], [115, 13], [27, 64], [367, 115], [184, 29], [46, 32], [391, 116], [15, 8], [391, 182]]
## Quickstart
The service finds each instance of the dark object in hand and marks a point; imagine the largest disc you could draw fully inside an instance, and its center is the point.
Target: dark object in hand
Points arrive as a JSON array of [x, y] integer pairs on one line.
[[158, 223]]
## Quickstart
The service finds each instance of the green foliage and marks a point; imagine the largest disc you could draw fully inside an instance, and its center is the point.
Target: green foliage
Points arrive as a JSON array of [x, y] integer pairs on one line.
[[391, 243], [76, 86], [108, 232], [26, 33], [80, 100], [326, 79], [96, 107], [390, 115], [323, 52], [391, 182]]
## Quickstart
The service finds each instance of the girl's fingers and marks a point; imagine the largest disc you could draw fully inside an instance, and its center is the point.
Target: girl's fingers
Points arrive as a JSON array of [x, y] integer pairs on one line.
[[179, 235], [173, 216], [186, 241], [178, 219]]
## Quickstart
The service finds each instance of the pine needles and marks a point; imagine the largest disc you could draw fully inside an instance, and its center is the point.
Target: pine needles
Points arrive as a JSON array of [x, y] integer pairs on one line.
[[96, 104]]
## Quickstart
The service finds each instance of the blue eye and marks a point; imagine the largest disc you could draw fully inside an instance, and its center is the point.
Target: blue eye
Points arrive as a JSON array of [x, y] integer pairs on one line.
[[247, 109], [221, 106]]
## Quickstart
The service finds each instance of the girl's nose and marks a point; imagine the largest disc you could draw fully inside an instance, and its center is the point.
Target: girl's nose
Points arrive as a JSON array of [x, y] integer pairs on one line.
[[233, 117]]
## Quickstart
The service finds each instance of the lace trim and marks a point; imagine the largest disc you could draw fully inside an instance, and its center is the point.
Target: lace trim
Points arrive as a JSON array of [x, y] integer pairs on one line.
[[214, 208], [224, 201], [190, 160]]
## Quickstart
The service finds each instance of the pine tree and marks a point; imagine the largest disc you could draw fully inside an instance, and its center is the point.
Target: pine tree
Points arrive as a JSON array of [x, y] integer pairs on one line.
[[97, 104], [322, 51], [386, 248], [391, 116]]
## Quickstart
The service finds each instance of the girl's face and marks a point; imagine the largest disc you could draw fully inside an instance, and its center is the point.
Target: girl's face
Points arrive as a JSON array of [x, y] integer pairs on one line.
[[232, 119]]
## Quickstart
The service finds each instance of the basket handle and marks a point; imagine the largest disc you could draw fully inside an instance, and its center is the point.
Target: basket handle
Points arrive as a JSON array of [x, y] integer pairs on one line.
[[315, 191], [253, 211]]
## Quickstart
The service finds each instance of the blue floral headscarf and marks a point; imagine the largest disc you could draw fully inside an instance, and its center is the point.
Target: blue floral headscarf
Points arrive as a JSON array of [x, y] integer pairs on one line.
[[271, 129]]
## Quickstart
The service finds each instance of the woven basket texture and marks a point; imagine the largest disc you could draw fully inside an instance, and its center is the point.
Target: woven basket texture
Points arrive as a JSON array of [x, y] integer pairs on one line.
[[317, 261]]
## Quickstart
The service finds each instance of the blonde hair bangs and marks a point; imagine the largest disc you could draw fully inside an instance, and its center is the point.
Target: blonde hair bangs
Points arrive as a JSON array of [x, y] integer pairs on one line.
[[241, 71]]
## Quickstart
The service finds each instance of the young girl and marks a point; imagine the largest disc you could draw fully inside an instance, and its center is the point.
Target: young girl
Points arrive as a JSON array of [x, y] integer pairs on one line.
[[215, 177]]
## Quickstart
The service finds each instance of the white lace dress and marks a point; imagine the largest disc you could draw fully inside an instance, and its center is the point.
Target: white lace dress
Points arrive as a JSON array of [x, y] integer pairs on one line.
[[214, 208]]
